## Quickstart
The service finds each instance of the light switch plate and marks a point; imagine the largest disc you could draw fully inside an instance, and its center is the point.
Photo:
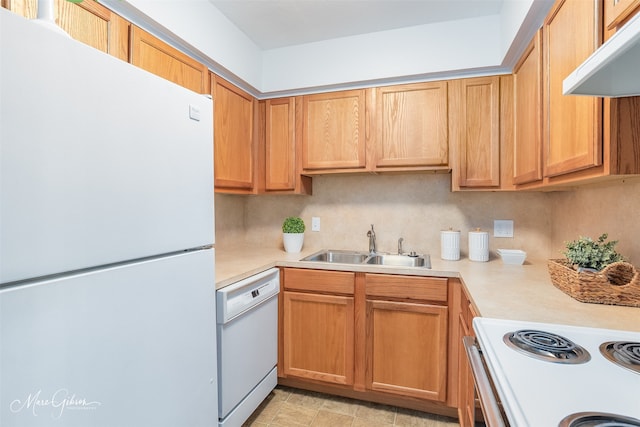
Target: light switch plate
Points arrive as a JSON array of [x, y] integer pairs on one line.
[[503, 228], [315, 223]]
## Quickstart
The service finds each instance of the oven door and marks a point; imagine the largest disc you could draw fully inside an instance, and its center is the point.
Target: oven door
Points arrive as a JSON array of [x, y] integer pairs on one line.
[[485, 391]]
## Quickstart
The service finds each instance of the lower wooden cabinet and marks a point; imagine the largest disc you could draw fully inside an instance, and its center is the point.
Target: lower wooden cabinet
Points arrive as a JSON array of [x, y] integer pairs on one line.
[[407, 349], [466, 392], [370, 335], [318, 337]]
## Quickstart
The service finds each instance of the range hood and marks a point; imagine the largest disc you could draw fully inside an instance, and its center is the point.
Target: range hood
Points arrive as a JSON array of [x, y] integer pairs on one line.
[[613, 70]]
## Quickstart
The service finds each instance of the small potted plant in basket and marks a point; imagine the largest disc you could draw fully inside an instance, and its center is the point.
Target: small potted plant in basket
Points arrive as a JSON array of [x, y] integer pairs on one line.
[[594, 272], [293, 234]]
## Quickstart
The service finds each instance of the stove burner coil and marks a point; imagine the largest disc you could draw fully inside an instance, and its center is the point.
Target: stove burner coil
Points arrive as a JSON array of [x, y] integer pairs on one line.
[[622, 353], [598, 419], [546, 346]]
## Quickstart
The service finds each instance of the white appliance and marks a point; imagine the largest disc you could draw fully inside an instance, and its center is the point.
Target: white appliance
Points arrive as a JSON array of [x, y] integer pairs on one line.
[[107, 278], [612, 70], [247, 345], [543, 390]]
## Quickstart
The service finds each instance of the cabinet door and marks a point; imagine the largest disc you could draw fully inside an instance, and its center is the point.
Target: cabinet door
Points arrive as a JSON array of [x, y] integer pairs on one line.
[[616, 11], [318, 337], [234, 147], [527, 164], [333, 134], [88, 22], [411, 125], [280, 144], [466, 387], [157, 57], [474, 125], [572, 134], [407, 349]]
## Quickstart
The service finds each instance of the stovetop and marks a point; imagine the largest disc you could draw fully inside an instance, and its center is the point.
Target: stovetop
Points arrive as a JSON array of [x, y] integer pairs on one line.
[[538, 392]]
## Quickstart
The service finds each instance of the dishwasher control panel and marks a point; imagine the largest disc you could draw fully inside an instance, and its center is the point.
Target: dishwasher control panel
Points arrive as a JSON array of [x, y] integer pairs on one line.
[[235, 299]]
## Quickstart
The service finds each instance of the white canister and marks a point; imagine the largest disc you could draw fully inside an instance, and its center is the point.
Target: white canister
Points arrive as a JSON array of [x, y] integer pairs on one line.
[[450, 245], [479, 245]]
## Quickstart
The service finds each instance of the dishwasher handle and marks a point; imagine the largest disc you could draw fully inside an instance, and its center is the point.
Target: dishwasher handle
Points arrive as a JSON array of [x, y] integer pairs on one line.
[[488, 401]]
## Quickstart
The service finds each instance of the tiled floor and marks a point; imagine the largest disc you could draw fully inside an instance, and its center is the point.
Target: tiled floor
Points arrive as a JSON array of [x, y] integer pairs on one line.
[[286, 407]]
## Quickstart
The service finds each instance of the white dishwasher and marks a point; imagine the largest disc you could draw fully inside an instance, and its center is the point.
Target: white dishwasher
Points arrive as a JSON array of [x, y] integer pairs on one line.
[[247, 327]]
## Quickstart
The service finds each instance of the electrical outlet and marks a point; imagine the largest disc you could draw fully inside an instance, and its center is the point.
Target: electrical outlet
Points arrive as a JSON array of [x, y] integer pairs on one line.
[[503, 228], [315, 223]]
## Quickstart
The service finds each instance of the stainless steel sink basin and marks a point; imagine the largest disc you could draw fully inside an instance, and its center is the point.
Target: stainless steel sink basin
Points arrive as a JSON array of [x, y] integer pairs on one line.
[[355, 257], [401, 260], [337, 256]]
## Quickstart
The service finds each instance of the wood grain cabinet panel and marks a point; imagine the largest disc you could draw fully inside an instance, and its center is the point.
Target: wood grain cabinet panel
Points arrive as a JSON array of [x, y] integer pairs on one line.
[[412, 126], [283, 148], [318, 337], [475, 131], [333, 131], [527, 94], [407, 349], [88, 22], [235, 150], [154, 55], [572, 124], [280, 144], [617, 11]]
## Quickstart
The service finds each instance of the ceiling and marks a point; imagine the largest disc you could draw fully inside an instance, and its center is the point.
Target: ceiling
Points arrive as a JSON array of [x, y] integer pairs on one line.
[[272, 24]]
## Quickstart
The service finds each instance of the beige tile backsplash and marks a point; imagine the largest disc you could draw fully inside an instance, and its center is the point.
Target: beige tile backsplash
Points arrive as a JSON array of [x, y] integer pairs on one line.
[[417, 206], [612, 208], [413, 206]]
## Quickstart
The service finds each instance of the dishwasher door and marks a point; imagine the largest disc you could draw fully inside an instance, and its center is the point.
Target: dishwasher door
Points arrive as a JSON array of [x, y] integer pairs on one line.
[[247, 344]]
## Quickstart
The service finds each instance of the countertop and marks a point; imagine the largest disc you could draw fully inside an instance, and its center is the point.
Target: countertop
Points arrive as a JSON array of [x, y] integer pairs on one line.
[[519, 292]]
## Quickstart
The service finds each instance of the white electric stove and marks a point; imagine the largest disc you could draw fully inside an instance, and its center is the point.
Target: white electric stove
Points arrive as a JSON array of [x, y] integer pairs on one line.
[[547, 390]]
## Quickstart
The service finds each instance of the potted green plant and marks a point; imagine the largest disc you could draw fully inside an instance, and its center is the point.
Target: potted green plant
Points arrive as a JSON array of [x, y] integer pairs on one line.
[[592, 255], [293, 234]]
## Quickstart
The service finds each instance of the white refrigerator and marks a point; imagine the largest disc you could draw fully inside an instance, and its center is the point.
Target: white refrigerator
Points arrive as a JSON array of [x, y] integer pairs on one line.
[[107, 274]]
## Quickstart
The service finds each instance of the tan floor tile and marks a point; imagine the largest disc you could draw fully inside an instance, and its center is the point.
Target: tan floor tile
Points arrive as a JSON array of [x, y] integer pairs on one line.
[[376, 412], [362, 422], [294, 415], [308, 399], [265, 413], [331, 419], [340, 405]]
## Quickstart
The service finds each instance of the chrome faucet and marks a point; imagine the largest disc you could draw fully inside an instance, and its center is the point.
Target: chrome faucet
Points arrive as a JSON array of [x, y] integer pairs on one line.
[[372, 240], [400, 251]]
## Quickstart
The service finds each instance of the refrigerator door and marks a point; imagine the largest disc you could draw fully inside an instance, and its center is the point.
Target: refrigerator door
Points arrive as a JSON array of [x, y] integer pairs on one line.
[[100, 161], [133, 345]]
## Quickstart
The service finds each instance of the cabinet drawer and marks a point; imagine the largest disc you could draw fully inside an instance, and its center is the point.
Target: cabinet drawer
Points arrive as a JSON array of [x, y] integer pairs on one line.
[[407, 287], [340, 282]]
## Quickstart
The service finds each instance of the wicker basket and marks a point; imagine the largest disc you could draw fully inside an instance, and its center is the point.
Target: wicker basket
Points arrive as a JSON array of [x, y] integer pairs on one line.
[[616, 284]]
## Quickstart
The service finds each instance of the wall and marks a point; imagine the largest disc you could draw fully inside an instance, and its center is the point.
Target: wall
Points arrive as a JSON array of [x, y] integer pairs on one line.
[[414, 206], [590, 211]]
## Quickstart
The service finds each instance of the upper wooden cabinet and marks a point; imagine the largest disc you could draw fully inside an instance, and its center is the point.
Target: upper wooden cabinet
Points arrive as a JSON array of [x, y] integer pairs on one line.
[[474, 132], [616, 12], [235, 150], [572, 124], [157, 57], [527, 117], [283, 148], [333, 131], [88, 22], [411, 126]]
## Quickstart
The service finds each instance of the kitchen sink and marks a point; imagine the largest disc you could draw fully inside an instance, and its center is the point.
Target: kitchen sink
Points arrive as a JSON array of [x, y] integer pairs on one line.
[[343, 257], [401, 260], [355, 257]]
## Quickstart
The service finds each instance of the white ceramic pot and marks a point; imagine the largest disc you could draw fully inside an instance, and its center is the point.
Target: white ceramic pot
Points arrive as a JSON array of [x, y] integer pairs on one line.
[[293, 242]]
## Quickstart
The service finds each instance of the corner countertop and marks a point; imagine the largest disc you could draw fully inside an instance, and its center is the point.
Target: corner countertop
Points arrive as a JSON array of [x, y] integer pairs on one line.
[[517, 292]]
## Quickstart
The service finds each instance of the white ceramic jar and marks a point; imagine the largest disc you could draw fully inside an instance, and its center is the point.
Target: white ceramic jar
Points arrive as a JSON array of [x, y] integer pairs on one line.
[[479, 245]]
